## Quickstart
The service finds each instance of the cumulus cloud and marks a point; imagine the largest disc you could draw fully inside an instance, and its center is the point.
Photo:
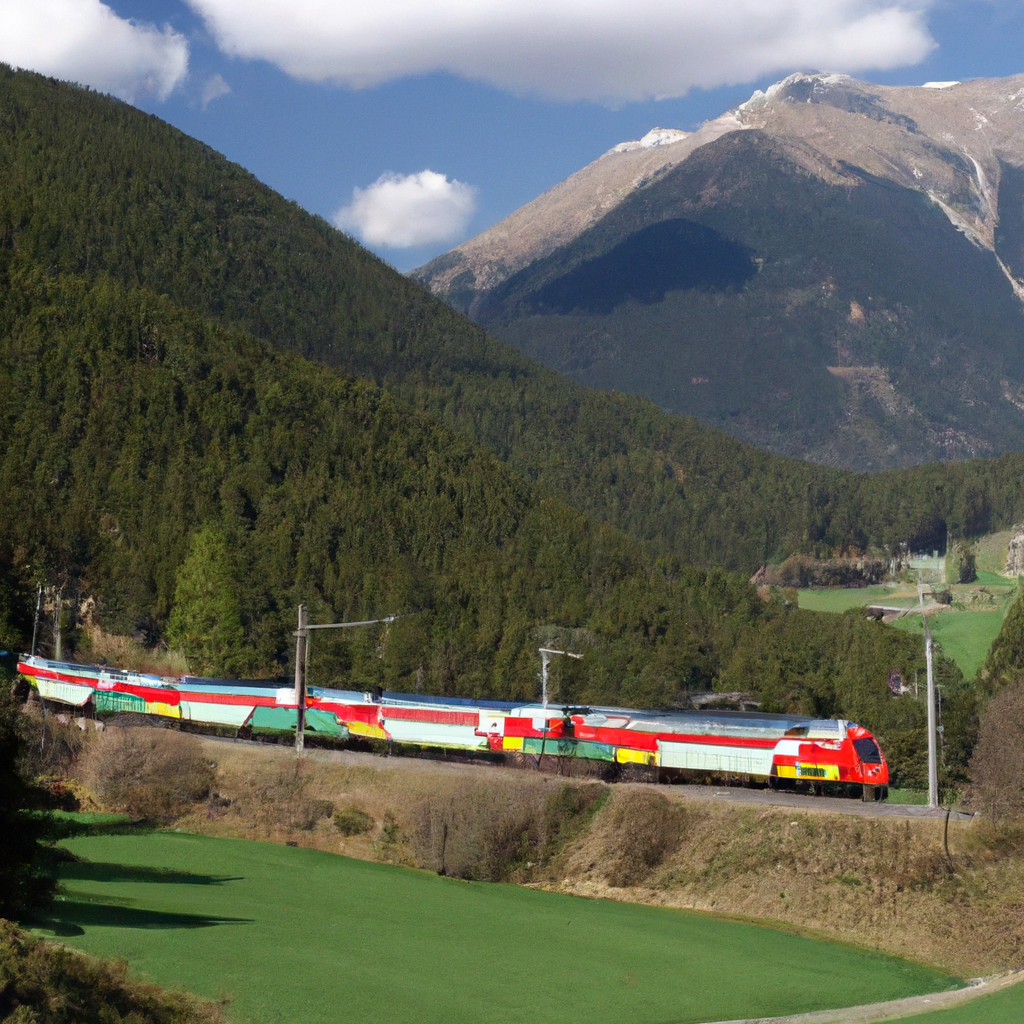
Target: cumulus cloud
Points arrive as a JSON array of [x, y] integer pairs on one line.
[[86, 42], [403, 210], [213, 89], [606, 50]]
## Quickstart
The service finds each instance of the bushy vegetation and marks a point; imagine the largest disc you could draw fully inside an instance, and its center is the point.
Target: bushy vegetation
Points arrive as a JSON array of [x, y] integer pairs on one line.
[[45, 984], [997, 766], [147, 772], [473, 829], [26, 833], [648, 826], [350, 821]]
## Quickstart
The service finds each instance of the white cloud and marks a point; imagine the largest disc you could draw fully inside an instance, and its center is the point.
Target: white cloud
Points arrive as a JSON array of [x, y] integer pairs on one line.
[[213, 89], [86, 42], [403, 210], [606, 50]]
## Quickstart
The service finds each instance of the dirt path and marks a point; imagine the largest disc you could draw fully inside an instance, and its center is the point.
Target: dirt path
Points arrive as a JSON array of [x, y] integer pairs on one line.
[[895, 1008]]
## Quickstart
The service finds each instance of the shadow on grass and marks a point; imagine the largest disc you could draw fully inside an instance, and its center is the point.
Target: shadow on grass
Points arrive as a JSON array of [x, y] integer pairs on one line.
[[98, 871], [71, 917]]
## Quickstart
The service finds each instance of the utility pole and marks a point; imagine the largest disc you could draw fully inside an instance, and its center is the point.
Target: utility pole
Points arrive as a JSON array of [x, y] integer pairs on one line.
[[35, 621], [301, 636], [933, 773], [301, 649], [546, 654]]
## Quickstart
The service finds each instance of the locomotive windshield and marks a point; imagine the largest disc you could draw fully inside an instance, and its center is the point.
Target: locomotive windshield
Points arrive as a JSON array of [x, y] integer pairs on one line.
[[867, 751]]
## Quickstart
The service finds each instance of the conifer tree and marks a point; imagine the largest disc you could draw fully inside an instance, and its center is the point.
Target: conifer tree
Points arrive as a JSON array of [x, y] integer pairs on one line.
[[206, 621]]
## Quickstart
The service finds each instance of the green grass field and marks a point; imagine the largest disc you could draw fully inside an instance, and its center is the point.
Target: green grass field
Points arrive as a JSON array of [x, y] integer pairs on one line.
[[966, 632], [965, 636], [1002, 1008], [298, 935], [842, 599]]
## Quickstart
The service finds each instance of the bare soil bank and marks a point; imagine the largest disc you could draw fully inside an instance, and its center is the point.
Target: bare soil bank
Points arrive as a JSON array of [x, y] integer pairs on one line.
[[880, 882]]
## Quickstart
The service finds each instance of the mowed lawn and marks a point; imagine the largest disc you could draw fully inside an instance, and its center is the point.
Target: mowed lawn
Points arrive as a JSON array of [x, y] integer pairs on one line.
[[965, 636], [1005, 1007], [841, 599], [301, 936]]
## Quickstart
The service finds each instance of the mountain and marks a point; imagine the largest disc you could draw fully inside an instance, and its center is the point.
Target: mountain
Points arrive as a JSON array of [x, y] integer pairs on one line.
[[95, 189], [156, 460], [834, 271], [213, 403]]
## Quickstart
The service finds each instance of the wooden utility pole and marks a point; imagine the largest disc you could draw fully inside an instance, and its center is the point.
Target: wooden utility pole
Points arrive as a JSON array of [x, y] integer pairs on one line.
[[301, 642], [301, 636]]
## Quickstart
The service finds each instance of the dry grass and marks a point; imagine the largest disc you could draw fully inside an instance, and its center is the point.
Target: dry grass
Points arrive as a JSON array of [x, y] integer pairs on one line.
[[881, 882], [147, 773], [102, 648], [468, 821]]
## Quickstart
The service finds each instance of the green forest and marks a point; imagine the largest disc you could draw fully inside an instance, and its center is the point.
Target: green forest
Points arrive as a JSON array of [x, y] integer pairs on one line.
[[214, 406], [96, 187]]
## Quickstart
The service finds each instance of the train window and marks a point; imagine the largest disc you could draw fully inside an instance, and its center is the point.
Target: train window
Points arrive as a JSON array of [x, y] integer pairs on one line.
[[867, 751]]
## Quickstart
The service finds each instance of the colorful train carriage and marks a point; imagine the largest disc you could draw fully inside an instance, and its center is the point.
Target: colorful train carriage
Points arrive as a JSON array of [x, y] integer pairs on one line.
[[779, 749]]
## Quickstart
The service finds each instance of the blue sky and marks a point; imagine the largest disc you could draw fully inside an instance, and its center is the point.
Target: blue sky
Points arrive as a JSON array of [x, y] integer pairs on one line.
[[500, 99]]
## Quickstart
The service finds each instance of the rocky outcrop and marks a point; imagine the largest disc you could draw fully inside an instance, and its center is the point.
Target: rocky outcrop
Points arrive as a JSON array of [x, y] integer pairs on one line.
[[1015, 553]]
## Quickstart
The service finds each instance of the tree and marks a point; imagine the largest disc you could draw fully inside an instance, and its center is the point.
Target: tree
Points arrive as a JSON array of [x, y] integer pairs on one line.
[[997, 767], [1005, 660], [206, 621], [967, 566], [25, 832]]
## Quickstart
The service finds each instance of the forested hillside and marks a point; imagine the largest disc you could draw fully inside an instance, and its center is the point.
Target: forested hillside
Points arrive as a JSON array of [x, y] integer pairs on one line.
[[92, 186], [166, 442], [134, 432]]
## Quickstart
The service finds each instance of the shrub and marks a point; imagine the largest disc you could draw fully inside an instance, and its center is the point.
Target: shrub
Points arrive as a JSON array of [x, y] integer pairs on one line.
[[350, 821], [147, 773], [646, 827], [25, 837], [50, 746], [474, 829], [45, 984], [997, 767], [278, 798]]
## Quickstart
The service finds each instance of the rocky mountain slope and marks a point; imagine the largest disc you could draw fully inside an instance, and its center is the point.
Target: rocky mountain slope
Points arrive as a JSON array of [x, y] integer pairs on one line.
[[834, 270]]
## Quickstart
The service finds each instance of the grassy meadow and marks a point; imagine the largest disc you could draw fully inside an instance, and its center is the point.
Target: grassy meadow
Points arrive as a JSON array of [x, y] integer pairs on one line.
[[965, 636], [289, 934], [1006, 1007], [965, 630]]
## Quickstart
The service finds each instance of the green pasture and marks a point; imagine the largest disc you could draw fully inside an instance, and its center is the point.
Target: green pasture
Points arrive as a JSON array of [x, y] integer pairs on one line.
[[297, 935], [841, 599], [1006, 1007], [965, 636], [990, 551], [965, 631]]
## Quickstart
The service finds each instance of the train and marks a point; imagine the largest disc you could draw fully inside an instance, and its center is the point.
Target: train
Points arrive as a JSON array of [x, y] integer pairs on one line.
[[787, 751]]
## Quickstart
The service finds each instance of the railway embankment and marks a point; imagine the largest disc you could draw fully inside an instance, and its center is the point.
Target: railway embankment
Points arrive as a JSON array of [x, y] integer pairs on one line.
[[910, 886]]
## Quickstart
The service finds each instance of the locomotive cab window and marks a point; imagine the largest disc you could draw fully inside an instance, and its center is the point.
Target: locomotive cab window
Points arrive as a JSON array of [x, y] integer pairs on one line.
[[867, 751]]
